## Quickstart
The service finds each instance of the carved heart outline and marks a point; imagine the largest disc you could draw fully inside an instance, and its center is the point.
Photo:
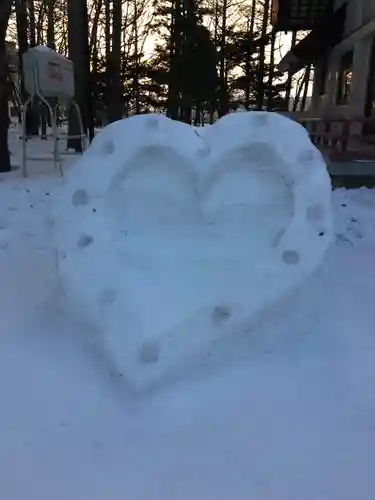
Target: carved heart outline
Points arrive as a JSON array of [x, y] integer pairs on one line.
[[295, 254]]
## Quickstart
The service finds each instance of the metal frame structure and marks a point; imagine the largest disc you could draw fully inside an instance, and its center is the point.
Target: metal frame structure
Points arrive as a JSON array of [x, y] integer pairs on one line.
[[57, 137]]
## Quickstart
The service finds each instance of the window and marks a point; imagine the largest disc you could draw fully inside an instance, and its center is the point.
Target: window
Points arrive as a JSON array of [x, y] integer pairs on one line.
[[345, 78]]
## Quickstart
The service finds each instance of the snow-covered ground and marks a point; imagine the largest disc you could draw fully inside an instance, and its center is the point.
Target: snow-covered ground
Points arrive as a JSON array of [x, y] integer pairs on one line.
[[295, 421]]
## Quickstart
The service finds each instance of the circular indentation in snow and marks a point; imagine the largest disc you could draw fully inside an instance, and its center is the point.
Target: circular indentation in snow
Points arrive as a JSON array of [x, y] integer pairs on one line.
[[204, 152], [49, 222], [108, 296], [291, 257], [306, 156], [108, 148], [85, 241], [221, 313], [80, 198], [261, 119], [153, 123], [315, 213], [150, 352]]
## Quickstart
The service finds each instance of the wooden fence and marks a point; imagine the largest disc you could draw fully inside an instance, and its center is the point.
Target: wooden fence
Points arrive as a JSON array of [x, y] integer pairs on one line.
[[342, 139]]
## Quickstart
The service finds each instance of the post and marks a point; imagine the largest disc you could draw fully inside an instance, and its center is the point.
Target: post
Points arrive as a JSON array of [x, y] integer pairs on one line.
[[49, 75]]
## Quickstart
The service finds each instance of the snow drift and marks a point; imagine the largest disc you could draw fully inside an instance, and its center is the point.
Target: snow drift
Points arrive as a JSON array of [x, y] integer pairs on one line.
[[170, 241]]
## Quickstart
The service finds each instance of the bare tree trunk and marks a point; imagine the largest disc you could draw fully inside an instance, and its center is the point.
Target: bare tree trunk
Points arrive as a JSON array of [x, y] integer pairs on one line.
[[290, 76], [186, 112], [32, 117], [108, 50], [174, 61], [300, 86], [22, 27], [262, 56], [32, 23], [45, 118], [251, 24], [5, 166], [108, 47], [116, 102], [51, 25], [306, 88], [136, 57], [223, 100], [42, 11], [94, 30], [212, 105], [79, 54], [271, 72], [94, 49]]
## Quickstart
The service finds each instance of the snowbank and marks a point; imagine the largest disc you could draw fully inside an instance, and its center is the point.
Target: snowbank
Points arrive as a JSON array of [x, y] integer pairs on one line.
[[171, 242], [297, 423]]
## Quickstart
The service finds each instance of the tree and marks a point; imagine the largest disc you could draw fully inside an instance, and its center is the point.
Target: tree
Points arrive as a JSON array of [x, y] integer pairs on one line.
[[185, 59], [80, 55], [32, 117], [250, 26], [5, 10], [262, 55], [115, 108]]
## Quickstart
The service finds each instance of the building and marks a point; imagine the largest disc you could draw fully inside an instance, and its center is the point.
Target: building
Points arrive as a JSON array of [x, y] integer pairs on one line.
[[340, 45]]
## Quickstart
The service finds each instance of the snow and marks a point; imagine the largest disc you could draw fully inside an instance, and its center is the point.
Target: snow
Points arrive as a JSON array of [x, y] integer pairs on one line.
[[43, 48], [201, 235], [293, 420]]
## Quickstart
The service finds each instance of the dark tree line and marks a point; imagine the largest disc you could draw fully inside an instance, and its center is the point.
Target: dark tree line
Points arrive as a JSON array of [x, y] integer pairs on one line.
[[194, 60], [5, 10]]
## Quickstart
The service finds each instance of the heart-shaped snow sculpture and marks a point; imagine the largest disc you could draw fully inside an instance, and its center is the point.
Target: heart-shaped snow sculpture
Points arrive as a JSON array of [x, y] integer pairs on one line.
[[170, 240]]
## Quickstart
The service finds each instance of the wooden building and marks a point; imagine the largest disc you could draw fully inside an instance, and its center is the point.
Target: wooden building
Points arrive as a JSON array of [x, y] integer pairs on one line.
[[341, 48]]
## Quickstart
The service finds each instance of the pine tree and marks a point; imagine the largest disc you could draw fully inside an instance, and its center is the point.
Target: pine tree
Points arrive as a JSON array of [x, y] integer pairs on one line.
[[185, 59]]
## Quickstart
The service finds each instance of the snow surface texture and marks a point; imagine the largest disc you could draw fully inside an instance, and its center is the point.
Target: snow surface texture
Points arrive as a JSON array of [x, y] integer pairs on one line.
[[171, 241], [296, 423]]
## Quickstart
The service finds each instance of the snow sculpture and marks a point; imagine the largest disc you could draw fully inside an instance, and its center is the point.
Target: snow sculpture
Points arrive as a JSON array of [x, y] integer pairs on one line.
[[170, 240]]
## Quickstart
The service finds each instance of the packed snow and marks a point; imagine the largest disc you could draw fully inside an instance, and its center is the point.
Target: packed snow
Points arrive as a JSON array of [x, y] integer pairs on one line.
[[201, 235], [287, 416]]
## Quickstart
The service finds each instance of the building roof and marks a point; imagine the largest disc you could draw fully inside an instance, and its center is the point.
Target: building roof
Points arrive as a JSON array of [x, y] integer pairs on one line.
[[317, 43], [299, 15]]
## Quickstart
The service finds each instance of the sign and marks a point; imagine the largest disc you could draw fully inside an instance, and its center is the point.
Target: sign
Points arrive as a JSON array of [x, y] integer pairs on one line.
[[54, 71]]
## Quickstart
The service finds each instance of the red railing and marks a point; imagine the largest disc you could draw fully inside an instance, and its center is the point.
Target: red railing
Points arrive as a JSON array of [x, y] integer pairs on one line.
[[342, 139]]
